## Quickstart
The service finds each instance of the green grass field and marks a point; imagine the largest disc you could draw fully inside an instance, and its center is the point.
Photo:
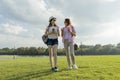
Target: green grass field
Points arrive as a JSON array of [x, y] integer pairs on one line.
[[38, 68]]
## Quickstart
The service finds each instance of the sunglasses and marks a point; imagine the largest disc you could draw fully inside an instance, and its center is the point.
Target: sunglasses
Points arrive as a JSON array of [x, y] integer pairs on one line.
[[54, 20]]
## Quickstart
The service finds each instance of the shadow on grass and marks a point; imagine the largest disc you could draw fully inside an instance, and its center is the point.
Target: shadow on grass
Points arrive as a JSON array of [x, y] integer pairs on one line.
[[64, 69], [38, 74], [30, 75], [83, 67]]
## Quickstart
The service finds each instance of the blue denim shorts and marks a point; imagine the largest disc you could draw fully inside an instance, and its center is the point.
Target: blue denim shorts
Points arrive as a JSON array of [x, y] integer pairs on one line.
[[52, 42]]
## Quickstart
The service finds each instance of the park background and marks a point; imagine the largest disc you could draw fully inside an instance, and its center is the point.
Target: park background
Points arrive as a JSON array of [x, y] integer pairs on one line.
[[24, 56]]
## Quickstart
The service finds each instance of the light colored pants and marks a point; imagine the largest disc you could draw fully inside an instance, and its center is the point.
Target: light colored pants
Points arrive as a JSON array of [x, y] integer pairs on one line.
[[69, 49]]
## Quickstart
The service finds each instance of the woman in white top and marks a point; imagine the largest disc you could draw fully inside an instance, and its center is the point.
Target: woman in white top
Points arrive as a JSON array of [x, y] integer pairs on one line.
[[52, 32]]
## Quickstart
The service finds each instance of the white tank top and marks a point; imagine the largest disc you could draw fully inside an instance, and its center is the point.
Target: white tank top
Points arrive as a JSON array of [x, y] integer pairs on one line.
[[50, 29], [66, 33]]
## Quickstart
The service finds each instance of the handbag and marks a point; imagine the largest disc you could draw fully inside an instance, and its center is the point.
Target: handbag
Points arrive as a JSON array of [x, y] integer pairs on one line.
[[75, 46], [45, 39]]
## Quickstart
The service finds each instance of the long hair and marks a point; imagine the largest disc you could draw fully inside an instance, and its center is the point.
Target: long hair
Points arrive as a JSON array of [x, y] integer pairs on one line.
[[67, 20], [50, 24]]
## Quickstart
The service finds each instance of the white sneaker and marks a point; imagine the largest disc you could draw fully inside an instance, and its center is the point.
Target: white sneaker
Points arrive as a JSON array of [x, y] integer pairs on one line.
[[75, 66], [69, 68], [56, 69]]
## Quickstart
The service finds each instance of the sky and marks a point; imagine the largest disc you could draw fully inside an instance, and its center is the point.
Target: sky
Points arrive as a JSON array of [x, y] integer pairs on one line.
[[23, 22]]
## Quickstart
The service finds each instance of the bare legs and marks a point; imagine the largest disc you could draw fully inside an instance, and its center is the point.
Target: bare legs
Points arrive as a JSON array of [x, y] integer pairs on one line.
[[55, 47], [53, 52], [50, 56]]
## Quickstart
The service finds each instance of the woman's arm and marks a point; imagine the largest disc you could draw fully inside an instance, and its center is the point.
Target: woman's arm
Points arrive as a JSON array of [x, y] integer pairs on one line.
[[62, 32], [47, 33], [73, 32], [58, 32]]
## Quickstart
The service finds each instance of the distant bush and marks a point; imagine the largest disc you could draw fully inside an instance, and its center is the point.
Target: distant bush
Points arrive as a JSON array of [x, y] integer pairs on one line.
[[82, 50]]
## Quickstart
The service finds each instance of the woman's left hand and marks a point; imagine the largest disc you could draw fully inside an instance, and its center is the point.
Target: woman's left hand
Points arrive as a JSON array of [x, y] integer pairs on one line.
[[72, 33], [69, 30]]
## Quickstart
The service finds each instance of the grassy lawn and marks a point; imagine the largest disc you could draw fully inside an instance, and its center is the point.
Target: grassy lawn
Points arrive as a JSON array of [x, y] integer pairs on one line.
[[38, 68]]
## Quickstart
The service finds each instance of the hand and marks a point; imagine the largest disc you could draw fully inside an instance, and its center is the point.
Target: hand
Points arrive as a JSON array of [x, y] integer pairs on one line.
[[69, 30], [45, 34], [49, 33], [61, 29]]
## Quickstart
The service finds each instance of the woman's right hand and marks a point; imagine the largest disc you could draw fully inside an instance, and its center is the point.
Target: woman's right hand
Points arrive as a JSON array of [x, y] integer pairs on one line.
[[48, 33], [61, 29], [61, 32]]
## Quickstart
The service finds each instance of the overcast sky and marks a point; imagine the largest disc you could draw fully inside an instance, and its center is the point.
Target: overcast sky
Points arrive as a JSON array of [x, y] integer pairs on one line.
[[22, 22]]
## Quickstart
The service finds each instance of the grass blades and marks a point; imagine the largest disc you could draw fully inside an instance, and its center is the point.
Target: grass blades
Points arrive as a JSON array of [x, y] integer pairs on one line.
[[38, 68]]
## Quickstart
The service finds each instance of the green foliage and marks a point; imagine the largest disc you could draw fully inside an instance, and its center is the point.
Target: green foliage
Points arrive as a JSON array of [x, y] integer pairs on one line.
[[98, 49], [118, 45]]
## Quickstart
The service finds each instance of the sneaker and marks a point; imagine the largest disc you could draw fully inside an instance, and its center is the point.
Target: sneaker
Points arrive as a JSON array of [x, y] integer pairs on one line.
[[52, 69], [75, 66], [55, 69], [69, 68]]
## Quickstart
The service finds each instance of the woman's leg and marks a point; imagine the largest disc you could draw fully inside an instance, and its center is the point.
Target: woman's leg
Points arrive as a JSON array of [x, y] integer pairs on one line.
[[66, 46], [73, 56], [51, 56], [55, 47], [72, 53]]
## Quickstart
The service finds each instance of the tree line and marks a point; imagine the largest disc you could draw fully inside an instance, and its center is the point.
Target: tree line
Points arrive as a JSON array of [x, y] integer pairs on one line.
[[97, 49]]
